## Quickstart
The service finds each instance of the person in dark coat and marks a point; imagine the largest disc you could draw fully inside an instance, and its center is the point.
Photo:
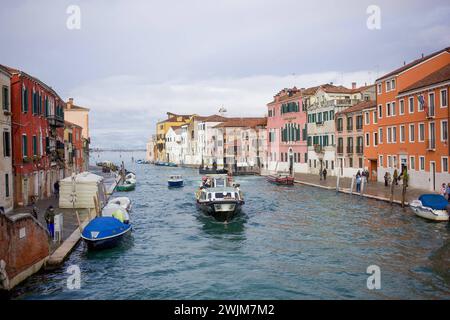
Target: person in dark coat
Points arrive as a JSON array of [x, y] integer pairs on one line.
[[50, 220], [56, 187], [324, 173]]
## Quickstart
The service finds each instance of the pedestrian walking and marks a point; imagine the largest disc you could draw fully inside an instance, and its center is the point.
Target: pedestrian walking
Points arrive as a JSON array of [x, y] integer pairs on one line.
[[324, 174], [395, 177], [50, 220], [386, 179], [367, 176], [320, 174]]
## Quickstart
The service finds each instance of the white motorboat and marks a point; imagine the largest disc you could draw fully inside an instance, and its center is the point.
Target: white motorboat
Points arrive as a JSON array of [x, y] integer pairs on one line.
[[431, 207], [115, 210]]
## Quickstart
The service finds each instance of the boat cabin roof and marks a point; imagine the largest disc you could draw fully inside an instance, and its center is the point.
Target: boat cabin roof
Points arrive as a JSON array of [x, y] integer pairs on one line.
[[176, 177]]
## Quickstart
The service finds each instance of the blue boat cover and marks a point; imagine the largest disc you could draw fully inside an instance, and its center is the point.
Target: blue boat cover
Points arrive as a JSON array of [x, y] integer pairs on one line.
[[102, 227], [434, 201]]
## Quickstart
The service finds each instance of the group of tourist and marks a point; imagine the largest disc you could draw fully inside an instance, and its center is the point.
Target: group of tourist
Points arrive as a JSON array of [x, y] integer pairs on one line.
[[395, 178], [445, 191], [360, 178]]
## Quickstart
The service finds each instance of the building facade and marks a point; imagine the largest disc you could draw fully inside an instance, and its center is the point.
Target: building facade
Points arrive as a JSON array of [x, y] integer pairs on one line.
[[73, 149], [150, 149], [161, 130], [412, 110], [38, 137], [173, 145], [350, 138], [287, 132], [322, 106], [6, 172], [79, 116]]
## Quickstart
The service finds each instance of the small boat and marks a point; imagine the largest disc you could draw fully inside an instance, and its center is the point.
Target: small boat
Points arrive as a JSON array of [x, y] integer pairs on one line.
[[175, 181], [104, 232], [281, 179], [431, 207], [130, 175], [219, 197], [127, 185], [124, 202], [171, 164]]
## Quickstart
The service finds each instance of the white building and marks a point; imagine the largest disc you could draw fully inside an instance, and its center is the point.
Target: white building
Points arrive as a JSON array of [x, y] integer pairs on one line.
[[173, 145], [150, 149]]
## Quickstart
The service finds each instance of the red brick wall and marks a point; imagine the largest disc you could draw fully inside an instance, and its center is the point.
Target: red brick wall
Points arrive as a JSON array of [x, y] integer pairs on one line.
[[20, 254]]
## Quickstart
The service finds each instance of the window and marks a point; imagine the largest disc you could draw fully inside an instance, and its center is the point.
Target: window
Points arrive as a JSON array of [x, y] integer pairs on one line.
[[431, 104], [381, 160], [339, 125], [412, 163], [367, 139], [375, 117], [444, 164], [388, 86], [375, 139], [367, 118], [421, 163], [380, 111], [412, 133], [420, 102], [380, 135], [24, 146], [350, 160], [7, 192], [444, 130], [411, 104], [389, 162], [402, 133], [34, 102], [359, 122], [393, 111], [388, 109], [349, 124], [24, 99], [393, 84], [379, 88], [394, 134], [389, 135], [444, 98], [402, 107], [35, 151], [6, 144], [421, 132], [5, 96], [331, 114]]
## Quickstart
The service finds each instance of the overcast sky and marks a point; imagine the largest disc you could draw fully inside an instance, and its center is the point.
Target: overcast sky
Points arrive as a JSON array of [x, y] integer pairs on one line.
[[131, 61]]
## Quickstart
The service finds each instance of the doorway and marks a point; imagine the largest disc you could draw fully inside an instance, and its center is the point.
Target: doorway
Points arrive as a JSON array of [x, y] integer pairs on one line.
[[433, 175]]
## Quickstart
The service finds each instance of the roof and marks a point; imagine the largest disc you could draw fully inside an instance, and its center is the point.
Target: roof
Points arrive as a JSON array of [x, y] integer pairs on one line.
[[414, 63], [359, 107], [329, 88], [4, 70], [438, 76], [243, 122], [68, 123], [215, 118], [13, 71], [71, 106]]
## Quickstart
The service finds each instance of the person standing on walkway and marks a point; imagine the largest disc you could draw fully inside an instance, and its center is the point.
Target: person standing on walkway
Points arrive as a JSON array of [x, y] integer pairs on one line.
[[324, 174], [358, 181], [395, 177], [386, 179], [444, 190], [50, 220], [56, 187], [320, 174]]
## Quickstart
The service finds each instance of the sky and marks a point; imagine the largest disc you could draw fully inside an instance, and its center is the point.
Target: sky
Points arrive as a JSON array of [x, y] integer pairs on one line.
[[132, 61]]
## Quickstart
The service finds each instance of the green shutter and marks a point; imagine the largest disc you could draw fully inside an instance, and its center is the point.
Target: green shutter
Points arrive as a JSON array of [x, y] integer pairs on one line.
[[24, 146]]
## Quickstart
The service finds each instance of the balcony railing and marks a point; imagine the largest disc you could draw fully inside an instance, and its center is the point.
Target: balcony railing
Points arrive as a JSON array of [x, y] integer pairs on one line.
[[55, 121], [350, 149], [431, 144], [318, 148], [359, 149]]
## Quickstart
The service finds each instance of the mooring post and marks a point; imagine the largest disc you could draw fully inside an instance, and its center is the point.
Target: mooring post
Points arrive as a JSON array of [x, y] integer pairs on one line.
[[352, 184], [337, 182], [362, 187]]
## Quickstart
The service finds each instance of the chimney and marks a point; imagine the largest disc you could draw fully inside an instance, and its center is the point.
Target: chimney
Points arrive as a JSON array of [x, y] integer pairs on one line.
[[70, 103], [353, 85]]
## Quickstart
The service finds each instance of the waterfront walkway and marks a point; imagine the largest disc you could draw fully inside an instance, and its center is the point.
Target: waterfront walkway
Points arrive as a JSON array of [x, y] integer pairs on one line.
[[373, 189]]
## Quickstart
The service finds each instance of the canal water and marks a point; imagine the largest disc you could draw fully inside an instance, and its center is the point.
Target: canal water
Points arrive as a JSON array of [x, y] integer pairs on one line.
[[290, 243]]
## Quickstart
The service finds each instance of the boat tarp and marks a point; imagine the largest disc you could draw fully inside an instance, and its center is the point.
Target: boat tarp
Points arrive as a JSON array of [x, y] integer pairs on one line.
[[434, 201], [103, 227]]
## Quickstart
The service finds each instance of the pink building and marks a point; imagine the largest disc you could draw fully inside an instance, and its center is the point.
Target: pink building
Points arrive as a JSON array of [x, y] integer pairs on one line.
[[286, 132]]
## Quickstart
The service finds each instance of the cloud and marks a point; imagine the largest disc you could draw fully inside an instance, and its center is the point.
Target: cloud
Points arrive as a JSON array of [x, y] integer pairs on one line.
[[125, 108]]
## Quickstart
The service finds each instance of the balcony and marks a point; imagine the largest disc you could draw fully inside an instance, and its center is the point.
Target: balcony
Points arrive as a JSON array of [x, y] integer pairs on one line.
[[318, 148], [349, 149], [359, 149], [55, 121]]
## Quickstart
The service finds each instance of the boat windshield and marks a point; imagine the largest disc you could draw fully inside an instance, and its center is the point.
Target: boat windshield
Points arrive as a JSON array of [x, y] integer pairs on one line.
[[224, 195], [219, 182]]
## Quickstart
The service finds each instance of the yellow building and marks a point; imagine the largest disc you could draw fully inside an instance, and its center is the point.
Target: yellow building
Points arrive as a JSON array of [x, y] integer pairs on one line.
[[162, 127]]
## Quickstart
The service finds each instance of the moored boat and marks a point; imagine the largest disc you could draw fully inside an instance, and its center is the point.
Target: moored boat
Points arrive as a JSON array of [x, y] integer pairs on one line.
[[281, 179], [127, 185], [104, 232], [212, 171], [431, 206], [219, 197], [175, 181], [124, 202]]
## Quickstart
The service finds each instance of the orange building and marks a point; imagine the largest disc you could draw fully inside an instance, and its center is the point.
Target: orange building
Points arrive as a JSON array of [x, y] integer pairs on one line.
[[411, 122]]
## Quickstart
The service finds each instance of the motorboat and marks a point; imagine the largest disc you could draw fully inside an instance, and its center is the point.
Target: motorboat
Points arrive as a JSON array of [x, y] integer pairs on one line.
[[175, 181], [171, 164], [124, 202], [206, 170], [130, 175], [431, 207], [281, 179], [104, 232], [219, 197]]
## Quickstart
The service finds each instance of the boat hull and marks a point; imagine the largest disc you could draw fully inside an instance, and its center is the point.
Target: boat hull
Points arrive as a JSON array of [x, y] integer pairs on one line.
[[434, 215], [104, 232], [123, 187], [175, 184], [288, 181], [221, 211], [102, 244]]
